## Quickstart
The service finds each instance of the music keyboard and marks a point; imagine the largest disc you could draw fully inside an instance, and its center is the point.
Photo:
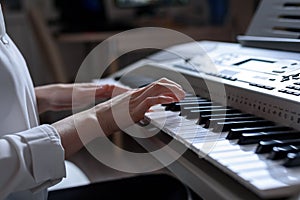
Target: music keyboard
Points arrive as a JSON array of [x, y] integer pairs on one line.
[[250, 132], [266, 176]]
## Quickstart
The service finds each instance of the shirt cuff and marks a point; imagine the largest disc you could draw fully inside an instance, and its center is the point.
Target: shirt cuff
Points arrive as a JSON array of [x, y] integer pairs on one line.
[[47, 153]]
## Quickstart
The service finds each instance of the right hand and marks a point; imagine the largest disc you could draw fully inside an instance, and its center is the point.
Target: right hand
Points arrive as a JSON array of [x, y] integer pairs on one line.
[[116, 114], [130, 107]]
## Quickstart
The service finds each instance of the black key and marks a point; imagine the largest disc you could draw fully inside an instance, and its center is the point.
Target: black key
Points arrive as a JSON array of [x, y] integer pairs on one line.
[[212, 122], [215, 111], [226, 126], [194, 102], [196, 113], [235, 133], [187, 105], [204, 118], [292, 160], [281, 152], [189, 98], [267, 146], [195, 108], [172, 107], [221, 111], [182, 105], [190, 110], [169, 106], [252, 138]]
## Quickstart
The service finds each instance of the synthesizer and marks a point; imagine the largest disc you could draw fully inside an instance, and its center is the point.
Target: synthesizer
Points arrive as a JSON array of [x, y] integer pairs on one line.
[[241, 115]]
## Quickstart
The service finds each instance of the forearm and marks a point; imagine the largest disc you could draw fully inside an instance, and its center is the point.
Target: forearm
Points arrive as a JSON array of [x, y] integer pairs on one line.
[[69, 136], [42, 98], [58, 97], [77, 130]]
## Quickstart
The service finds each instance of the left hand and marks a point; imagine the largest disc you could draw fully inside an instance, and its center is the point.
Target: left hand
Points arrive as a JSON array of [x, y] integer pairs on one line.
[[58, 97]]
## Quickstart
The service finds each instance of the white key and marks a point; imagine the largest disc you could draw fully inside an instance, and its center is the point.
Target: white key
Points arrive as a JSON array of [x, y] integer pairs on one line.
[[241, 160], [229, 154], [235, 147], [161, 115], [267, 183], [255, 175], [184, 129], [238, 168]]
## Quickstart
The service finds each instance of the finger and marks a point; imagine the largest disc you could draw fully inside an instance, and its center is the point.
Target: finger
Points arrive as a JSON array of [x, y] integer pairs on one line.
[[139, 111], [165, 89], [161, 81], [165, 80]]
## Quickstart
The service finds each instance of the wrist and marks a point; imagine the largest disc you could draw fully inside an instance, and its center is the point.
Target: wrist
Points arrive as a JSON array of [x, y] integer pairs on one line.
[[77, 130], [87, 126], [42, 100]]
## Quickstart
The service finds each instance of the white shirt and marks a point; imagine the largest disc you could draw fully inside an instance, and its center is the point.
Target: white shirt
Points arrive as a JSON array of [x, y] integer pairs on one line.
[[31, 156]]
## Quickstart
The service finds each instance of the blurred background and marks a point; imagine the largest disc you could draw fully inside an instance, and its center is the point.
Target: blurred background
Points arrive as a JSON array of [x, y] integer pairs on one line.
[[56, 35]]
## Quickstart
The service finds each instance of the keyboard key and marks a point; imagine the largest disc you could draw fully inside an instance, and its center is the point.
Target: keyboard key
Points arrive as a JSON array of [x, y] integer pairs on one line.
[[212, 122], [181, 105], [200, 113], [267, 146], [226, 126], [204, 118], [237, 132], [251, 138], [281, 152], [293, 160]]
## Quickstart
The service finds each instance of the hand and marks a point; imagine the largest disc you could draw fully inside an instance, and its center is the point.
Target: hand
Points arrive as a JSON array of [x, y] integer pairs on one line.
[[130, 107], [118, 113], [59, 97]]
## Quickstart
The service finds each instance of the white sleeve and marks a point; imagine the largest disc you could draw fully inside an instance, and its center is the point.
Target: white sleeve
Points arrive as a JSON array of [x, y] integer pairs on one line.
[[33, 159]]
